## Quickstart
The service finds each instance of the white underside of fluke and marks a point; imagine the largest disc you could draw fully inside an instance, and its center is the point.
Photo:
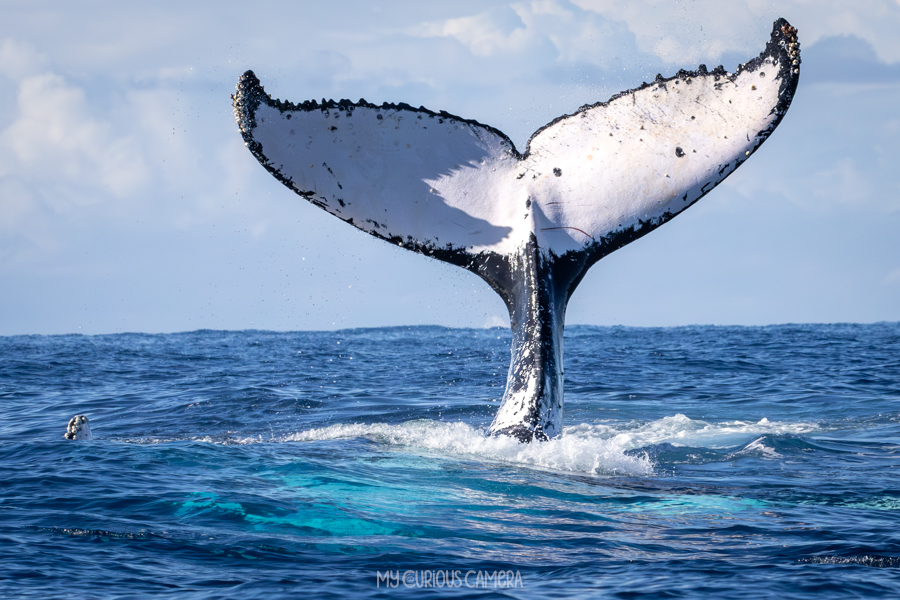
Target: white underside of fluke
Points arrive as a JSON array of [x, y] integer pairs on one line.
[[442, 181]]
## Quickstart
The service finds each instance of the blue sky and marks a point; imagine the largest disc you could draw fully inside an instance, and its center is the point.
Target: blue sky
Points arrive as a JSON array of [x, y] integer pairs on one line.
[[128, 202]]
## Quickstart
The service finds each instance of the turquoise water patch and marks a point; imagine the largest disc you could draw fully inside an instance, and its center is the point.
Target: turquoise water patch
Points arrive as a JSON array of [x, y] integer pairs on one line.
[[324, 518], [698, 505]]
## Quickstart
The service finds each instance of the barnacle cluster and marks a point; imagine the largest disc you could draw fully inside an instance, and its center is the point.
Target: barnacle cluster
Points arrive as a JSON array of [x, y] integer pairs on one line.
[[246, 101], [792, 45]]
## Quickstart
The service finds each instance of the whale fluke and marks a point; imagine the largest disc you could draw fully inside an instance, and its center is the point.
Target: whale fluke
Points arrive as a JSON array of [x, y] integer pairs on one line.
[[530, 224], [78, 429]]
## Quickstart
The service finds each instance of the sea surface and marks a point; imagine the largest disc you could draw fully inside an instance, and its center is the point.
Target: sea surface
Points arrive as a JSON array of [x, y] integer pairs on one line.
[[697, 462]]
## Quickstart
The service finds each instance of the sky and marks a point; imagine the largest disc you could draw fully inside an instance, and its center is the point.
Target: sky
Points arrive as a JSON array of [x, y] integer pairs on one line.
[[128, 202]]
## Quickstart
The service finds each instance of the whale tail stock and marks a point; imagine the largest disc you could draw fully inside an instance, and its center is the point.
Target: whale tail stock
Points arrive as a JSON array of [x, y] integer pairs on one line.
[[530, 224]]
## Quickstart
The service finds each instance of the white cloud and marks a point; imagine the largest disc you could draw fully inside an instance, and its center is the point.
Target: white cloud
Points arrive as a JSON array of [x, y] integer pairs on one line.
[[843, 182], [526, 28], [57, 159], [835, 153], [154, 114], [17, 59], [121, 147], [77, 157], [689, 33], [876, 21], [579, 36], [678, 31], [22, 226], [483, 34], [606, 33], [613, 34], [55, 137]]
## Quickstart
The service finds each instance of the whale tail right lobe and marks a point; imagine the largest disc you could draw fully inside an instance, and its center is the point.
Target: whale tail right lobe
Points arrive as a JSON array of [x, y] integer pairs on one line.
[[530, 224]]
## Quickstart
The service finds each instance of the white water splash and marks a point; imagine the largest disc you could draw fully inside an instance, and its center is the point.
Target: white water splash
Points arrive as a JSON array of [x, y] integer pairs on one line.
[[595, 449], [759, 446], [572, 453], [680, 430]]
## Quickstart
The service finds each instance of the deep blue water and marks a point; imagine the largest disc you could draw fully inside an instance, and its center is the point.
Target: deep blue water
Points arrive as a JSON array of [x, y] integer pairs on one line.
[[730, 462]]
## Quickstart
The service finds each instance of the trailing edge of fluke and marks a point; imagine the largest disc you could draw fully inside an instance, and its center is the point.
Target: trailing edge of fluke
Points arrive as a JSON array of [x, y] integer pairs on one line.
[[529, 223]]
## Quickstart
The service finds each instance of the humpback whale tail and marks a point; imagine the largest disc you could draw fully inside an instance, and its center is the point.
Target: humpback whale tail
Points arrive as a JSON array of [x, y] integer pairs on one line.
[[530, 224]]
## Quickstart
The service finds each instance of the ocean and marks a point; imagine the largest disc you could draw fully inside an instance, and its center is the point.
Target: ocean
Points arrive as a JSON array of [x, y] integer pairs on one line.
[[697, 462]]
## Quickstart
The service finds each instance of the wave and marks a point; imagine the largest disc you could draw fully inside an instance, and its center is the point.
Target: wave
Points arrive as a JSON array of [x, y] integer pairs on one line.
[[680, 430], [867, 560]]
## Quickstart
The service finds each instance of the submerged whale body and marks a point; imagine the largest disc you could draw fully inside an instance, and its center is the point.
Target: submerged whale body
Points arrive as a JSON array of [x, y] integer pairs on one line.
[[530, 224]]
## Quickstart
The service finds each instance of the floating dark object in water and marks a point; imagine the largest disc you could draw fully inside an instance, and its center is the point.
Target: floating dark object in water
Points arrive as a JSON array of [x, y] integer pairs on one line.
[[590, 182], [79, 429]]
